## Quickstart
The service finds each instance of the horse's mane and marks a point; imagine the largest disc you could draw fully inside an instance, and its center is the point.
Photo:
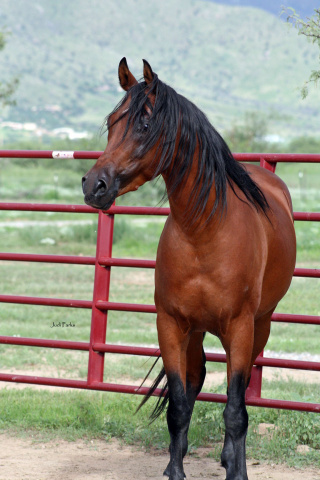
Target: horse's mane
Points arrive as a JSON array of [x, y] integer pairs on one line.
[[173, 116]]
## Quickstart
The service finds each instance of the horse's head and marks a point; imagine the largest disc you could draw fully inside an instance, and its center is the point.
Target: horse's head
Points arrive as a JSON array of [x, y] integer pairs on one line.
[[127, 162]]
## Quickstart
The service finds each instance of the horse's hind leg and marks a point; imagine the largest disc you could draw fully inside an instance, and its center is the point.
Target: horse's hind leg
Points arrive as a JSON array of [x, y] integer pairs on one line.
[[238, 345], [195, 375], [244, 346], [235, 415]]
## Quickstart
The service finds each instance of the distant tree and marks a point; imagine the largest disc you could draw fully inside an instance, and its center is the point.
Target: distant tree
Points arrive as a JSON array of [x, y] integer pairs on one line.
[[249, 136], [7, 89], [310, 28], [304, 145]]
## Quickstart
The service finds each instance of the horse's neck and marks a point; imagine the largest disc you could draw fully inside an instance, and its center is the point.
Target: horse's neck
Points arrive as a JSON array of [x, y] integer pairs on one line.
[[182, 201]]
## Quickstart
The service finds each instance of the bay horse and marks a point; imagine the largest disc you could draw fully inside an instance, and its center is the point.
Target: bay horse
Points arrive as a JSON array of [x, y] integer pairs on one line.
[[225, 257]]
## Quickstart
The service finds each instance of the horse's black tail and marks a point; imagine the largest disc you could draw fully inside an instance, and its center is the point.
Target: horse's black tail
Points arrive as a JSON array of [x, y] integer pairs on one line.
[[164, 394]]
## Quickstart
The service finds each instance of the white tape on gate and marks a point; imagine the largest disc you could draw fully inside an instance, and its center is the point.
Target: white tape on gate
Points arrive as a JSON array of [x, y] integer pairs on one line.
[[62, 154]]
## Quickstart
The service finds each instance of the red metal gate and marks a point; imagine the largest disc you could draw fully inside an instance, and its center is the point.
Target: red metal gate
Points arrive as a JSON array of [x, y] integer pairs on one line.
[[100, 304]]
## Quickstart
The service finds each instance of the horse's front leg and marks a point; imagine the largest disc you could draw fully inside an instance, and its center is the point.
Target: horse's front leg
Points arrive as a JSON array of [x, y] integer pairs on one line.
[[173, 346], [178, 418], [195, 375]]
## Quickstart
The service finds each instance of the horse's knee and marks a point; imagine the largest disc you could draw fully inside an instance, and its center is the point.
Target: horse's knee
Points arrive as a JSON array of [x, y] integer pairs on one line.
[[236, 421], [235, 414], [179, 411], [178, 416]]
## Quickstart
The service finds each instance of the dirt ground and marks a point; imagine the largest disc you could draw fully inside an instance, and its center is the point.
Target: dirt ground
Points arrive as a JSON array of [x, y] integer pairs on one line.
[[21, 459]]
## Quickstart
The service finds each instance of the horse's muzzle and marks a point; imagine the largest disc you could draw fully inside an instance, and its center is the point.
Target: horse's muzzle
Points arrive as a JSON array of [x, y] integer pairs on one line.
[[100, 190]]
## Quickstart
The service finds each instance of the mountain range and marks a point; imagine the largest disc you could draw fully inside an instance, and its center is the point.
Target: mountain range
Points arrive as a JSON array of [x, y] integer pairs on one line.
[[227, 59]]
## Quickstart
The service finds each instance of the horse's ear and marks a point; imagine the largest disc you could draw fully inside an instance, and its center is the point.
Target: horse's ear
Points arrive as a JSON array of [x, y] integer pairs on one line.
[[147, 72], [126, 78]]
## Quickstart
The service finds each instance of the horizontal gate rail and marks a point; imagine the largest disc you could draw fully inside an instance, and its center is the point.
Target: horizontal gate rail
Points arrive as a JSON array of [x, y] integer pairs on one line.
[[47, 343], [80, 155], [115, 262], [151, 352], [278, 157], [100, 304], [307, 272], [79, 260], [291, 318], [60, 208], [133, 307], [62, 155], [30, 257], [131, 389], [47, 302], [307, 216], [162, 211]]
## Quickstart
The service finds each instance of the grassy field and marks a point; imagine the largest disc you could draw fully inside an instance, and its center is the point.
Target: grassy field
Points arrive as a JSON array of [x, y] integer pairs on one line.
[[74, 414]]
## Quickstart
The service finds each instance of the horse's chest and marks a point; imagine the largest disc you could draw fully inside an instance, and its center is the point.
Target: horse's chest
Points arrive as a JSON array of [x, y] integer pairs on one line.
[[192, 296], [198, 286]]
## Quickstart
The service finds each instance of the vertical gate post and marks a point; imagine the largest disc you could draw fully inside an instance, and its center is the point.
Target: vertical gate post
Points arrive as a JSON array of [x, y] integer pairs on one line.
[[268, 165], [254, 388], [100, 292]]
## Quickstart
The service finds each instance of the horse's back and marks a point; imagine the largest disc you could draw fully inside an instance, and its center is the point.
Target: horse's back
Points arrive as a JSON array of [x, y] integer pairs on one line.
[[280, 235], [274, 189]]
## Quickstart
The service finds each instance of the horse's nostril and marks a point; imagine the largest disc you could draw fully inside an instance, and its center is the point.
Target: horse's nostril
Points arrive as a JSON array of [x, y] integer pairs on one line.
[[94, 186], [101, 186], [83, 182]]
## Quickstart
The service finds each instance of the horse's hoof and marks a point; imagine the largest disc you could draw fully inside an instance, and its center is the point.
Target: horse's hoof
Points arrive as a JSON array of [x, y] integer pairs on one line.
[[234, 476], [166, 473]]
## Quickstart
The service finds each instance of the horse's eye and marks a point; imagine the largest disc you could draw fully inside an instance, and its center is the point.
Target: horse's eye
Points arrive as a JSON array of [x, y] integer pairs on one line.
[[145, 127]]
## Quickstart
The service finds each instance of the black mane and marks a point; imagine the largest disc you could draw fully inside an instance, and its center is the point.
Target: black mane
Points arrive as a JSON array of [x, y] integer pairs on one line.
[[174, 116]]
